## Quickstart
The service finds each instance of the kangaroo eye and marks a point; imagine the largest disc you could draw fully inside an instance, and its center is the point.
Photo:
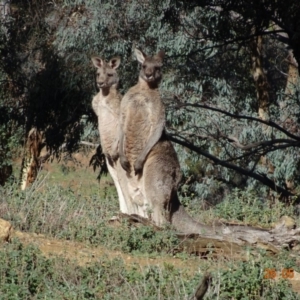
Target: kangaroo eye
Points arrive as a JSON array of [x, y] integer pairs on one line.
[[143, 66], [110, 75]]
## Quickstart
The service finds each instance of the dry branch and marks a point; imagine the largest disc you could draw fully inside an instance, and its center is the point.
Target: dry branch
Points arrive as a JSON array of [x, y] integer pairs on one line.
[[202, 287], [269, 123], [231, 240], [260, 177]]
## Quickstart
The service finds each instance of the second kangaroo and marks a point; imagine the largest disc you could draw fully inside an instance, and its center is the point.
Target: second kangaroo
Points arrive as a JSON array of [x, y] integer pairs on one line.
[[106, 105]]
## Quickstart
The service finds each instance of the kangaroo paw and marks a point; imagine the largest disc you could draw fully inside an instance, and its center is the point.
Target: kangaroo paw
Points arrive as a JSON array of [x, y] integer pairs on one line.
[[125, 164]]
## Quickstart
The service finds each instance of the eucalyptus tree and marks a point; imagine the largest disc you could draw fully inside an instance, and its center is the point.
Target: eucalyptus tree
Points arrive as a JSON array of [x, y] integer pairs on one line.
[[224, 82], [262, 140], [230, 80], [37, 86]]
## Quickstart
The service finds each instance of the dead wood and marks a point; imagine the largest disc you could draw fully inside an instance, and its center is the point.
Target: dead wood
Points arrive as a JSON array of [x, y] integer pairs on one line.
[[30, 161], [136, 219], [232, 240]]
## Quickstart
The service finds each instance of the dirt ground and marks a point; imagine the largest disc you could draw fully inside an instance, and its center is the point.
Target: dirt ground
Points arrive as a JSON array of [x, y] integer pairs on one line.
[[84, 254]]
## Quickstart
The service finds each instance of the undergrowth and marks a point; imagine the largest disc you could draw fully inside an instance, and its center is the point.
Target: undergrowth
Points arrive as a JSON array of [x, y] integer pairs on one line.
[[26, 274], [247, 207], [72, 213], [67, 214]]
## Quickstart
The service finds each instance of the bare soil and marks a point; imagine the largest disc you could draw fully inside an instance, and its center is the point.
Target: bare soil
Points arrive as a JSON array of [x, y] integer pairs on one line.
[[84, 254]]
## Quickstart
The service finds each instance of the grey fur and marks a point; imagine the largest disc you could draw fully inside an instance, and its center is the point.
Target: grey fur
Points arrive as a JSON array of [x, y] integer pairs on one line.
[[149, 158]]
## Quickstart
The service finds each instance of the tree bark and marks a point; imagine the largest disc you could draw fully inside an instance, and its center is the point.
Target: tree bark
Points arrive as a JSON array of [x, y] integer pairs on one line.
[[231, 240], [260, 78], [293, 75], [295, 42], [30, 161]]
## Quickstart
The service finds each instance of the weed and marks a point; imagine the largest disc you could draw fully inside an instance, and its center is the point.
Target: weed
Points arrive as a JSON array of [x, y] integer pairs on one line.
[[74, 211], [64, 213], [247, 207], [246, 280]]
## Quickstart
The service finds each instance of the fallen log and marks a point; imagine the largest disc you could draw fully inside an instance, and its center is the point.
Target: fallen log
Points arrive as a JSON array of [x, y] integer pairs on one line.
[[231, 240]]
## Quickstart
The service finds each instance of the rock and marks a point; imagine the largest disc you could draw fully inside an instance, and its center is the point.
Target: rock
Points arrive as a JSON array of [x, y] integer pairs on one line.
[[5, 230]]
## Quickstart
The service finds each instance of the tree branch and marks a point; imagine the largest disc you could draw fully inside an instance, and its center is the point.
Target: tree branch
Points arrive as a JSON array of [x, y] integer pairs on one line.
[[266, 122], [261, 178]]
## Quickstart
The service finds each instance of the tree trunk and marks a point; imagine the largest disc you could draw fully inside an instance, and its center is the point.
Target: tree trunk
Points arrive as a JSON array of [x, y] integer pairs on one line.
[[295, 42], [260, 78], [30, 161], [293, 75]]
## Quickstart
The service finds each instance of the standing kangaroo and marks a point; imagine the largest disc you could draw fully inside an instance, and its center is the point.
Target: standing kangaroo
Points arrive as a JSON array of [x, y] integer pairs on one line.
[[142, 114], [106, 105], [146, 153], [152, 169]]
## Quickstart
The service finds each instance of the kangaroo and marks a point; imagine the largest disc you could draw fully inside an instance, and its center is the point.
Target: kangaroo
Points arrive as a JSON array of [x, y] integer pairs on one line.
[[145, 152], [142, 104], [106, 105], [152, 168]]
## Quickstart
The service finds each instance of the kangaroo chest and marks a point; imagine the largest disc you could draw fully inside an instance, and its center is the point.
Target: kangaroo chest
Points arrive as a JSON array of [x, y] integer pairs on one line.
[[107, 122], [138, 123]]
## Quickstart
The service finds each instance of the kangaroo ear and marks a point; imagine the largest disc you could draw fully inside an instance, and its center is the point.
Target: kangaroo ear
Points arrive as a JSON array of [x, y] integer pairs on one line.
[[97, 61], [115, 62], [161, 54], [140, 55]]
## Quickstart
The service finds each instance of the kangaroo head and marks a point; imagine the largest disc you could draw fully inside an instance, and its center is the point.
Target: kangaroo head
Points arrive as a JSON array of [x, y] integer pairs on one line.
[[106, 71], [151, 66]]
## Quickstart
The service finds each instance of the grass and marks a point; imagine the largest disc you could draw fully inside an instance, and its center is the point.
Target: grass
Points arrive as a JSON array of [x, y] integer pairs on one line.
[[26, 274], [65, 213], [245, 207], [67, 204]]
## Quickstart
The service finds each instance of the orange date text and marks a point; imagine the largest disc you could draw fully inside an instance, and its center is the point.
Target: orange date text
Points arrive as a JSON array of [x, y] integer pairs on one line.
[[272, 274]]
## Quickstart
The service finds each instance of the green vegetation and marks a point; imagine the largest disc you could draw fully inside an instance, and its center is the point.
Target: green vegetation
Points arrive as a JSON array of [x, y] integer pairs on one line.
[[79, 212], [26, 274], [246, 281], [231, 90], [84, 211], [247, 207], [223, 77]]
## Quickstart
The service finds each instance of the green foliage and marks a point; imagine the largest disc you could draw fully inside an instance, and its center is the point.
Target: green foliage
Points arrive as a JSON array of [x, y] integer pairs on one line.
[[21, 270], [146, 239], [26, 274], [40, 89], [129, 239], [245, 280], [5, 153], [249, 208], [47, 78], [81, 218], [80, 214]]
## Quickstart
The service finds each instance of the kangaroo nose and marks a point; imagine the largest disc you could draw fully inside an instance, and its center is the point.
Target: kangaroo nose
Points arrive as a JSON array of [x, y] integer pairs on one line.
[[149, 75]]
